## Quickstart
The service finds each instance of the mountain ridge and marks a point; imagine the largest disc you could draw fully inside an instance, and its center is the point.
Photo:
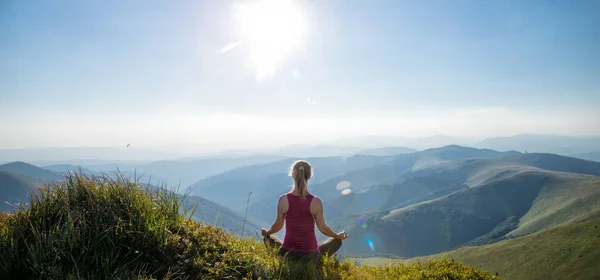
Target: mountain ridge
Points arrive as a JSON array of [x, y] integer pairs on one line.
[[29, 170], [15, 188], [538, 199]]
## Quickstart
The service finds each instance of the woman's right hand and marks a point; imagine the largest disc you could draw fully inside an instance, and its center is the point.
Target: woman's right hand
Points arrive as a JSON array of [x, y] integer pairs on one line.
[[342, 235]]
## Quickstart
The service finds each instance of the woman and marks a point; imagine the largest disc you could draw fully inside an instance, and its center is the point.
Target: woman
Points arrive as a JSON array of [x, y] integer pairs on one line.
[[300, 210]]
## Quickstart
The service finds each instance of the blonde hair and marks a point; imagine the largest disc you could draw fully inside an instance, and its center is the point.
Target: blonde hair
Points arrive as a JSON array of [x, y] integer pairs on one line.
[[301, 172]]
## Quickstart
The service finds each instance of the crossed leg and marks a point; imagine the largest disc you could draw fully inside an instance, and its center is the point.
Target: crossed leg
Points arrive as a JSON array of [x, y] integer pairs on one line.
[[327, 247]]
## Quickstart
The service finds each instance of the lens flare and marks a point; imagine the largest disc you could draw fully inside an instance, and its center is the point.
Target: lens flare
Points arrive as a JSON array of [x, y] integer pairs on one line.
[[230, 47], [361, 223], [342, 185], [370, 243], [346, 192]]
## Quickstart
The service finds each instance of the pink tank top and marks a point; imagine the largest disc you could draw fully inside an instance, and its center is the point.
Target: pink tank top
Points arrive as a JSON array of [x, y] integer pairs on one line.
[[300, 226]]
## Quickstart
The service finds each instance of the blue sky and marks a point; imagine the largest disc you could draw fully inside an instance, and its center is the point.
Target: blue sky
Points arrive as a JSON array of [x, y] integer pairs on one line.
[[100, 73]]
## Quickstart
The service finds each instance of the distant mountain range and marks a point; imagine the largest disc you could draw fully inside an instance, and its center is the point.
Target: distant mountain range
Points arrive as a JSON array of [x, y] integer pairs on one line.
[[183, 173], [386, 151], [366, 175], [595, 156], [536, 143], [451, 176], [268, 181], [65, 169], [29, 170], [418, 143], [476, 201], [265, 180], [82, 155]]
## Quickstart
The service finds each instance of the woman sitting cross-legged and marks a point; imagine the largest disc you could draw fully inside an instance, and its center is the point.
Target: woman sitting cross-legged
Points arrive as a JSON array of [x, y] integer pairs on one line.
[[300, 210]]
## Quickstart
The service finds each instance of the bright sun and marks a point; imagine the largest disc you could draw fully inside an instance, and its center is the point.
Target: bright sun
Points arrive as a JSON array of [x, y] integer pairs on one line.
[[272, 29]]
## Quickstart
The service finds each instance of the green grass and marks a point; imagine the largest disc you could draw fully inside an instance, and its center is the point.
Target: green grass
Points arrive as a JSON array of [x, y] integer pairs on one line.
[[569, 251], [106, 228], [569, 197]]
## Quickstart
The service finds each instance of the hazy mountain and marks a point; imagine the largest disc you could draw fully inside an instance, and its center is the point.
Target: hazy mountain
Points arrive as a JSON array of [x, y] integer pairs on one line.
[[595, 156], [83, 155], [231, 188], [305, 151], [298, 150], [65, 169], [448, 177], [369, 174], [390, 171], [556, 163], [386, 151], [15, 189], [85, 162], [357, 145], [184, 172], [419, 143], [513, 205], [29, 170], [562, 145]]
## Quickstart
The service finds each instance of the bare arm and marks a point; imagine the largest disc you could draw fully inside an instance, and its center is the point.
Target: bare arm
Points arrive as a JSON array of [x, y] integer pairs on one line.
[[282, 207], [316, 208]]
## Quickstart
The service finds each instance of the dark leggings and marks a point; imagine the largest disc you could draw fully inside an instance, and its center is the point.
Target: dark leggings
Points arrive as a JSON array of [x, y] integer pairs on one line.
[[327, 247]]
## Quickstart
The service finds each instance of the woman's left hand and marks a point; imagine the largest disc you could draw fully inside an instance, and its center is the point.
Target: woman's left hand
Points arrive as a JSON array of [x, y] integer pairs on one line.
[[265, 232]]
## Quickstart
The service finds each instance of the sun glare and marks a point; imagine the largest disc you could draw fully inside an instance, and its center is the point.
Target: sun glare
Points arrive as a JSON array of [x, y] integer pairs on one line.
[[272, 29]]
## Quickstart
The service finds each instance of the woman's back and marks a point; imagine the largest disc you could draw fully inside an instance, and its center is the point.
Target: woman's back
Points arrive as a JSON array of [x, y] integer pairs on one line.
[[300, 225], [300, 211]]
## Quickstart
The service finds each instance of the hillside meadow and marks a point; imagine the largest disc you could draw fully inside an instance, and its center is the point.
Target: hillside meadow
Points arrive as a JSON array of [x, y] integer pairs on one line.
[[569, 251]]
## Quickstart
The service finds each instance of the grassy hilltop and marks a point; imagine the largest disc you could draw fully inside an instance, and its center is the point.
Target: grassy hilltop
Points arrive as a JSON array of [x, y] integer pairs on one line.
[[113, 229], [564, 252]]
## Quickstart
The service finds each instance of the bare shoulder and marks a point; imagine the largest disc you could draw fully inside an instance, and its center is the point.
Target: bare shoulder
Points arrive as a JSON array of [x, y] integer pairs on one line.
[[316, 204], [283, 204], [283, 200], [316, 200]]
